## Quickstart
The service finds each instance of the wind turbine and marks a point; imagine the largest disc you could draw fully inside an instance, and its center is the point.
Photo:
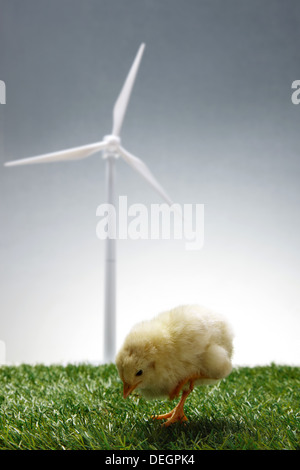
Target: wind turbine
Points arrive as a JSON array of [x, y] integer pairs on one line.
[[111, 149]]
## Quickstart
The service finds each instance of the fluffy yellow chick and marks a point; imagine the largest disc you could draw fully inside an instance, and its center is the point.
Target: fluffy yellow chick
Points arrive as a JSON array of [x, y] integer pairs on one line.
[[180, 348]]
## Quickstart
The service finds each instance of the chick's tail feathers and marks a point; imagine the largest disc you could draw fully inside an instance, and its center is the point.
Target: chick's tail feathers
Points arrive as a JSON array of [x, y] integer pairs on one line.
[[216, 359]]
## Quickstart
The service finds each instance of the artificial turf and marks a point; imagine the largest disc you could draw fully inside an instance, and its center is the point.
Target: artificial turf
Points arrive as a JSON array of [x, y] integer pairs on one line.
[[79, 407]]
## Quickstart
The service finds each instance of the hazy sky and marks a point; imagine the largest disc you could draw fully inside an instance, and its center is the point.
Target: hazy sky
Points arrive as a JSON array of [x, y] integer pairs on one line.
[[211, 114]]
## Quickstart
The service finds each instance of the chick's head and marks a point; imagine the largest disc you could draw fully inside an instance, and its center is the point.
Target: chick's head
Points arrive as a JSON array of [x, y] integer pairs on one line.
[[136, 366]]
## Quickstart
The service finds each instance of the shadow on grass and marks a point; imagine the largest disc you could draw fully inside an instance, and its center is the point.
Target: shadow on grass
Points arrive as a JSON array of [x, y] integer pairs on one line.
[[200, 433]]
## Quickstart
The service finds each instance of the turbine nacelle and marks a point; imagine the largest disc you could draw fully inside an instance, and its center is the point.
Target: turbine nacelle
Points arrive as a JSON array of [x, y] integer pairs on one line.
[[112, 147]]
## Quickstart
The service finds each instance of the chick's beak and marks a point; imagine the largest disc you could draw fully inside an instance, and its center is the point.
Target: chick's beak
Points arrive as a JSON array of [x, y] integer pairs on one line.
[[127, 389]]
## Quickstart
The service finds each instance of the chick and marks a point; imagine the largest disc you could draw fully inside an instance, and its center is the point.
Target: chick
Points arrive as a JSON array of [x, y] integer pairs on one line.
[[173, 352]]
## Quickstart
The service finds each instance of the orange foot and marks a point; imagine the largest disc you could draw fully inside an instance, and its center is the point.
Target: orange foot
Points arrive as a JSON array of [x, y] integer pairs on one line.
[[172, 417]]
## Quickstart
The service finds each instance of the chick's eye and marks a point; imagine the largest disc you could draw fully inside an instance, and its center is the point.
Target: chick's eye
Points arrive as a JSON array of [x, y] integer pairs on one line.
[[139, 372]]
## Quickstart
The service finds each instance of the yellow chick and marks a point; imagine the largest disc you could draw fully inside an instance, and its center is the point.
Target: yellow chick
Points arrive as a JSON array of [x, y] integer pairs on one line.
[[180, 348]]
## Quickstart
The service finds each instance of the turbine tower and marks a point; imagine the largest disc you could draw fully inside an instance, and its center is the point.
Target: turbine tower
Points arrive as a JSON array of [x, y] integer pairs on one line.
[[111, 149]]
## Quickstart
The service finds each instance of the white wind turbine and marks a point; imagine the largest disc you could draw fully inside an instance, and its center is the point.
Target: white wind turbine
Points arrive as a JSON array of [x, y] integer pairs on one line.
[[112, 149]]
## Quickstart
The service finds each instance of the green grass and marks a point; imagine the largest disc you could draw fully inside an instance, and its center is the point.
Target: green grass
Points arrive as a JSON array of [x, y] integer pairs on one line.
[[81, 407]]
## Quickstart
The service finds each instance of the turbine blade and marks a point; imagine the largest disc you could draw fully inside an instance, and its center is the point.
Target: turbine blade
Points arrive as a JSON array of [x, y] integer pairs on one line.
[[139, 166], [122, 101], [75, 153]]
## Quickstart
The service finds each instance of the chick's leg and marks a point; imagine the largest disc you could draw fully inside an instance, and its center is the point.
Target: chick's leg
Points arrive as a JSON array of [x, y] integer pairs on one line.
[[175, 393], [177, 414]]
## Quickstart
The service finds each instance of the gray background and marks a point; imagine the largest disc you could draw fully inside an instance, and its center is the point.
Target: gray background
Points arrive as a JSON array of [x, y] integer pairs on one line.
[[211, 114]]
